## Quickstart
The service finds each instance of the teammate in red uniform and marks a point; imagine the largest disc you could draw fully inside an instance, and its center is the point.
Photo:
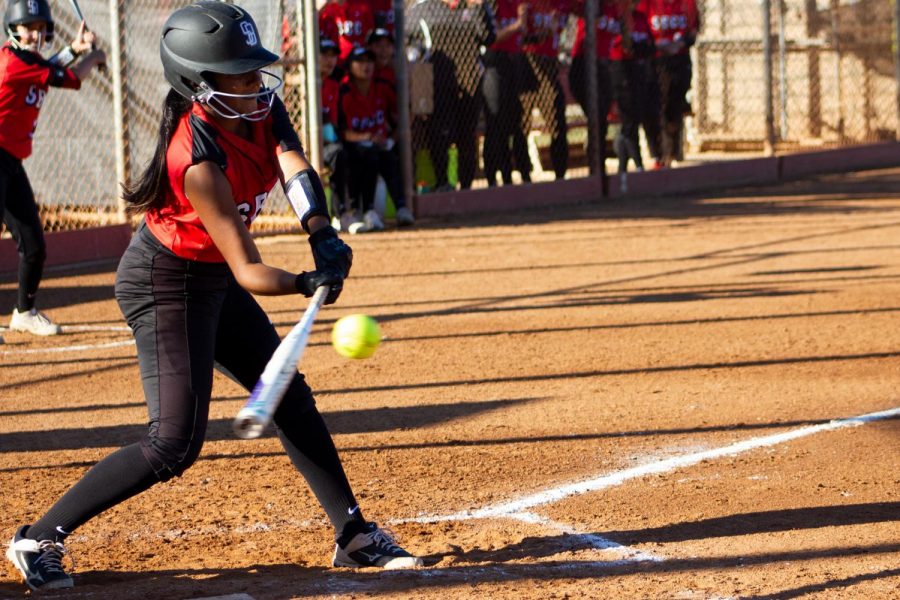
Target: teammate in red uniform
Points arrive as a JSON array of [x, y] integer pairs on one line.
[[384, 14], [25, 77], [607, 28], [674, 24], [630, 49], [540, 42], [381, 42], [503, 65], [366, 122], [348, 22], [333, 155], [185, 281]]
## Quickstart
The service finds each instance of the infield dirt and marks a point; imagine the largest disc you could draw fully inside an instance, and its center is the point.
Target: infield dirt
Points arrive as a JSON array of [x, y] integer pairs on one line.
[[521, 354]]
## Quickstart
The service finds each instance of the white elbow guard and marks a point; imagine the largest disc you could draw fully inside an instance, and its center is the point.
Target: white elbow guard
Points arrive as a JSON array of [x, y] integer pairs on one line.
[[64, 57], [307, 196]]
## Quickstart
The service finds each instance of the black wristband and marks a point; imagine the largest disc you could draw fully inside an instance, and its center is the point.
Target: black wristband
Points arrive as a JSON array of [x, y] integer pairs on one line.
[[322, 234]]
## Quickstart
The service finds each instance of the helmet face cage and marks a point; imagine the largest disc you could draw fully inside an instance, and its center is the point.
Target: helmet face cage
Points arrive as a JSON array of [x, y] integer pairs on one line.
[[264, 97], [23, 12]]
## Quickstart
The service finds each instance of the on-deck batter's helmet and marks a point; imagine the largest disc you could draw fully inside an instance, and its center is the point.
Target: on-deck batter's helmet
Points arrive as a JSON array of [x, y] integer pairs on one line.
[[210, 37], [23, 12]]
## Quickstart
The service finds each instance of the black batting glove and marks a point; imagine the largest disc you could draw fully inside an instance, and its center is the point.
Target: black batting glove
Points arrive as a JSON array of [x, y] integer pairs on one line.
[[283, 128], [330, 252], [308, 282]]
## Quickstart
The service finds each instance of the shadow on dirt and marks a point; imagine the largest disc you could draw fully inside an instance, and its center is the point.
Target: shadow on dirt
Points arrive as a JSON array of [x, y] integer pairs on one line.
[[341, 422], [265, 582]]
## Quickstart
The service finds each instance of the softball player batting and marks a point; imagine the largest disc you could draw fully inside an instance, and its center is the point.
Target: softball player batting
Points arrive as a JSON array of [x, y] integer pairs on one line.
[[25, 77], [184, 287]]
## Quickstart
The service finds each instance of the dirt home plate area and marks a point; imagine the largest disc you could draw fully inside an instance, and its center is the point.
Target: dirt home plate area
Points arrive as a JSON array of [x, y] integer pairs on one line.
[[688, 398]]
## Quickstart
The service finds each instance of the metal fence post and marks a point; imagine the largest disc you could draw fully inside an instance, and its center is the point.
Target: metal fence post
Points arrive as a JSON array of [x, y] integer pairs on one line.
[[120, 123], [306, 11], [597, 158], [897, 60], [404, 125], [769, 142]]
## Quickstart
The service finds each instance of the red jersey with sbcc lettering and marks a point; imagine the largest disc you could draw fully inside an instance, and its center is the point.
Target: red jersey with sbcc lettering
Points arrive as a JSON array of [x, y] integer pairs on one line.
[[367, 113], [671, 20], [546, 20], [251, 168], [506, 14], [25, 78], [352, 21], [608, 26]]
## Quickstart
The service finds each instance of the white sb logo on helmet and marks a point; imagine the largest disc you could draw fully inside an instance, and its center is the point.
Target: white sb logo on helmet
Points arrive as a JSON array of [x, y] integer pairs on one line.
[[33, 8], [249, 33]]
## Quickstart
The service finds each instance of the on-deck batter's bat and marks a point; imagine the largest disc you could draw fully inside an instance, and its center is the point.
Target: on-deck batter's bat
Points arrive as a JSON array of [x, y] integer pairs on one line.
[[256, 414], [80, 16]]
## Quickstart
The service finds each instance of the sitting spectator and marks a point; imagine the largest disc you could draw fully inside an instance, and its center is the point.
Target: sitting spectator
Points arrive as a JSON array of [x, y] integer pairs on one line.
[[365, 122], [333, 155], [381, 43]]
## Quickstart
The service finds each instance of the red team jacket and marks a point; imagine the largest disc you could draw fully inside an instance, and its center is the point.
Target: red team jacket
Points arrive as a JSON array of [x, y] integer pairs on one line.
[[347, 24], [25, 78], [671, 20], [251, 168]]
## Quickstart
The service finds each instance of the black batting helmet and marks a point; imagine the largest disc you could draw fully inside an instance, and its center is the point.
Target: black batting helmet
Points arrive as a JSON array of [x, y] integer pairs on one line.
[[23, 12], [209, 37]]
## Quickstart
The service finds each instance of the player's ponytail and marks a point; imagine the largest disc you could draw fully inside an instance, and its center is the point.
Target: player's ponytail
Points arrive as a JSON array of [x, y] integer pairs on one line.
[[150, 188]]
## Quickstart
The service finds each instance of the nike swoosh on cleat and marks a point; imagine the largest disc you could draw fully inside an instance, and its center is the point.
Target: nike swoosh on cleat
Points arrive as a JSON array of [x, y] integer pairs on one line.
[[355, 509]]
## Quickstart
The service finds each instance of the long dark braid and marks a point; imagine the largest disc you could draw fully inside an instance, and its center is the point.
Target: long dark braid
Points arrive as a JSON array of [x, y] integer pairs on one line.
[[150, 188]]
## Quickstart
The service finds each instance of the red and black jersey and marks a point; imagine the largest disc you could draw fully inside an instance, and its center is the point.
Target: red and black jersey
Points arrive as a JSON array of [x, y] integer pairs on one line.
[[383, 11], [546, 20], [641, 40], [608, 26], [507, 13], [251, 168], [330, 96], [25, 78], [352, 21], [672, 20], [369, 113]]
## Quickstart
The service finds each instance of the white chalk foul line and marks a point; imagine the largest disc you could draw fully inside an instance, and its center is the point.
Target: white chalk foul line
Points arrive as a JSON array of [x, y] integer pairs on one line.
[[73, 348], [511, 508]]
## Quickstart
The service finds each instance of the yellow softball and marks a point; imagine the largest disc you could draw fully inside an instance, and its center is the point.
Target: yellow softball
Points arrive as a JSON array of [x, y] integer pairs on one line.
[[356, 336]]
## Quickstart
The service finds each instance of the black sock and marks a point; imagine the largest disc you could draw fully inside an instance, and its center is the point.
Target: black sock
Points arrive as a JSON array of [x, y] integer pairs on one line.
[[119, 476], [311, 449]]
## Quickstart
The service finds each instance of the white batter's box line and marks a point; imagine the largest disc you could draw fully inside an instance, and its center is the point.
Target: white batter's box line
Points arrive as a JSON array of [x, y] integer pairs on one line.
[[593, 540], [549, 496], [74, 348]]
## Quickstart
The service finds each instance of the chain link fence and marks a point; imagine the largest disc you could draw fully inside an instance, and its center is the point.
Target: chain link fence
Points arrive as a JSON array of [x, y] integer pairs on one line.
[[832, 75], [488, 111]]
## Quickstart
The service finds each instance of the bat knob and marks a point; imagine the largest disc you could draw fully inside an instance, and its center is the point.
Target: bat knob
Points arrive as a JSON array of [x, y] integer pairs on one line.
[[248, 426]]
